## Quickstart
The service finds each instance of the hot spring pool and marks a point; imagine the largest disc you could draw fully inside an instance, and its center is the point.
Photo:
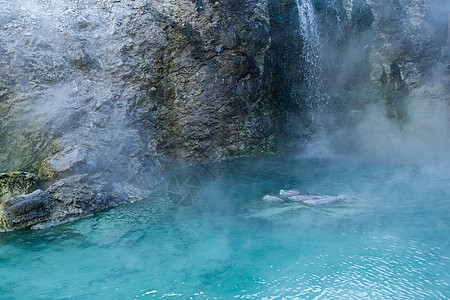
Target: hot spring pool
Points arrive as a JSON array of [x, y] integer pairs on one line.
[[395, 244]]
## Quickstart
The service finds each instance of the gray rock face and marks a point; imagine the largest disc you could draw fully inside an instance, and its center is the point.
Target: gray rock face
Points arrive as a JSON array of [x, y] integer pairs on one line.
[[116, 91], [407, 51], [25, 210], [168, 78], [79, 195], [383, 52]]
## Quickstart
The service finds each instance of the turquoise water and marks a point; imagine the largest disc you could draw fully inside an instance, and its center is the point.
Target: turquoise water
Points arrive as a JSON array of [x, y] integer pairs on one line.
[[221, 242]]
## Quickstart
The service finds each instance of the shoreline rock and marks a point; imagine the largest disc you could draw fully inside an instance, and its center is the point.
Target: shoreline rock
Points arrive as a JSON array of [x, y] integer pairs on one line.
[[25, 210]]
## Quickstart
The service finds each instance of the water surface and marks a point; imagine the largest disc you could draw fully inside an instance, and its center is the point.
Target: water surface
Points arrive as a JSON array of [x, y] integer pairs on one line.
[[219, 241]]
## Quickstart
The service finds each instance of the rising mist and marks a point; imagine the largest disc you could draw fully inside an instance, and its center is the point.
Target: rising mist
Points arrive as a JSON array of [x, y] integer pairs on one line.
[[385, 82]]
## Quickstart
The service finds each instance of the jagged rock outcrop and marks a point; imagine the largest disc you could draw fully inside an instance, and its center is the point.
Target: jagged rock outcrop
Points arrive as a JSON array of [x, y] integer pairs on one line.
[[25, 210], [207, 98], [80, 195]]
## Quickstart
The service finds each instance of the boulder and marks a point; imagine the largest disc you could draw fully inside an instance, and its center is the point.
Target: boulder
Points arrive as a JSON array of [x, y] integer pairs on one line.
[[25, 210]]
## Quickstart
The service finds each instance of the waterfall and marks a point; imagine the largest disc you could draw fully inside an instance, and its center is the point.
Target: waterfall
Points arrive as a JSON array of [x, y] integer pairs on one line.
[[312, 54], [313, 93], [309, 30]]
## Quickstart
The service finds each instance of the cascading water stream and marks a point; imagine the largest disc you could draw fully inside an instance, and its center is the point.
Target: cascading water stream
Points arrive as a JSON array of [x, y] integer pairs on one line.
[[312, 56], [317, 68]]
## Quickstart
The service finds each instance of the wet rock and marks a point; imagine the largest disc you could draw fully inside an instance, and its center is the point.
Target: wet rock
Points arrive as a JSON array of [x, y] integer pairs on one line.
[[230, 38], [269, 198], [290, 193], [25, 210], [264, 126], [316, 199], [308, 198], [16, 183], [76, 196]]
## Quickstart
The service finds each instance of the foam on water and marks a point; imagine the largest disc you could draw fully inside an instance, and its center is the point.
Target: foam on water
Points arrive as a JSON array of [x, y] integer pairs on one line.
[[392, 245]]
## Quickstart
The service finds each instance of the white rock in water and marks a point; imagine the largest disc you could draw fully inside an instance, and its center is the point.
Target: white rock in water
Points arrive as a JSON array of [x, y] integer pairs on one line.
[[269, 198], [313, 200], [301, 198], [320, 200], [290, 193]]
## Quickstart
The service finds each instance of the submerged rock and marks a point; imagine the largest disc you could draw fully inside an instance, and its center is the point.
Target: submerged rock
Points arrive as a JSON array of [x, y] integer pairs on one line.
[[293, 201], [25, 210], [16, 183], [315, 199], [308, 198], [290, 193], [269, 198]]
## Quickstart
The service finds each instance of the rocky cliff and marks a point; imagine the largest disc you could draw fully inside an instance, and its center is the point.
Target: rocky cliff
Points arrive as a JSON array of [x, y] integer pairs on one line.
[[336, 58], [99, 96], [408, 52]]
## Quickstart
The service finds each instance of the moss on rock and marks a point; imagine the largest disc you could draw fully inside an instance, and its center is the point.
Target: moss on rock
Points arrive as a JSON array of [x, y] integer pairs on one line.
[[16, 183]]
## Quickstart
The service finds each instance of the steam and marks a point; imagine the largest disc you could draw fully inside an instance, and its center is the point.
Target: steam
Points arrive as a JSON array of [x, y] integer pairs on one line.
[[423, 138], [63, 60], [362, 128]]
